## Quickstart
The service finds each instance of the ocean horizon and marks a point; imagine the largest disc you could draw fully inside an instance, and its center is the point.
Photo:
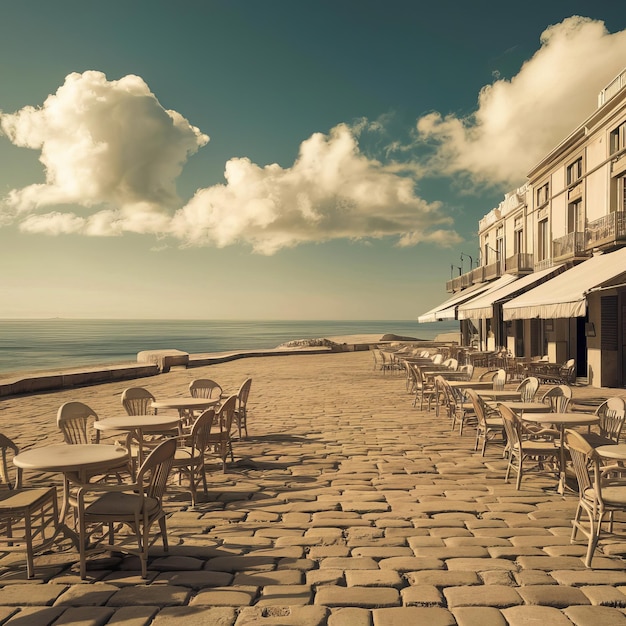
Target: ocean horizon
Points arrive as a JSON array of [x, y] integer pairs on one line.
[[60, 343]]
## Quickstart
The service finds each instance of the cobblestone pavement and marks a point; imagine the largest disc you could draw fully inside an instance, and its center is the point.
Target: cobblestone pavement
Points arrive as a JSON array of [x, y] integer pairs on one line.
[[346, 506]]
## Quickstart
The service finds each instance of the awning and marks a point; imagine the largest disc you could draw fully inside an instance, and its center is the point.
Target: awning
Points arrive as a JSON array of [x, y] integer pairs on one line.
[[481, 307], [565, 295], [447, 310]]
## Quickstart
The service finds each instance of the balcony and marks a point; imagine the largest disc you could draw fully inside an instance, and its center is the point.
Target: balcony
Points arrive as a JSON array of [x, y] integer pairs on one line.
[[493, 270], [519, 263], [606, 231], [454, 284], [569, 247]]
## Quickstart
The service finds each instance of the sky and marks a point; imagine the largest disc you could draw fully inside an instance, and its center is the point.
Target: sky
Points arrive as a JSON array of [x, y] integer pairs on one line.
[[274, 159]]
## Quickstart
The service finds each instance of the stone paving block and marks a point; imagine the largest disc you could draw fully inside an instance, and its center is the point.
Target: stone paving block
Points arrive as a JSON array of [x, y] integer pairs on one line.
[[302, 565], [6, 612], [364, 597], [350, 617], [348, 563], [485, 542], [549, 563], [401, 616], [480, 565], [556, 596], [133, 616], [241, 563], [498, 596], [478, 616], [30, 595], [285, 595], [580, 578], [260, 579], [382, 552], [35, 616], [595, 615], [411, 563], [86, 595], [124, 579], [149, 595], [278, 616], [85, 616], [326, 577], [176, 563], [373, 578], [534, 577], [422, 595], [443, 578], [605, 595], [195, 616], [528, 615], [225, 596], [452, 552], [323, 552], [194, 579], [497, 577]]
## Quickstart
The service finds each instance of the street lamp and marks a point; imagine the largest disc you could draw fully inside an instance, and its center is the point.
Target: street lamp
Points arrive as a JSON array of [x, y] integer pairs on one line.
[[463, 255]]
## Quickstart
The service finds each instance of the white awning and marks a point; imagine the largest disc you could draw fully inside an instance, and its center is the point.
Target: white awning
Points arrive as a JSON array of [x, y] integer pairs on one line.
[[565, 295], [447, 310], [481, 307]]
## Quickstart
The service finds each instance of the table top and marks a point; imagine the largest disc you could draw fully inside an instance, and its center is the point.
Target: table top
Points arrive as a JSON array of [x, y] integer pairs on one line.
[[615, 451], [538, 407], [185, 403], [138, 422], [471, 384], [65, 457], [563, 419], [497, 394]]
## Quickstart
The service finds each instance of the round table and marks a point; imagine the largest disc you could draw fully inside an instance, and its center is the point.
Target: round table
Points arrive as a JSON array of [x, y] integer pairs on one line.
[[138, 425], [185, 404], [499, 394], [525, 407], [75, 461], [616, 451], [562, 421]]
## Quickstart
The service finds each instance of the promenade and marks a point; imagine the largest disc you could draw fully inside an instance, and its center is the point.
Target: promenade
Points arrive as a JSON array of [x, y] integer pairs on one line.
[[346, 506]]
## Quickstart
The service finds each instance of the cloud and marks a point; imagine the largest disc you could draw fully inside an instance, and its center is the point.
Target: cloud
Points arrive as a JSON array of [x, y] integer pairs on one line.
[[331, 191], [519, 121], [102, 143]]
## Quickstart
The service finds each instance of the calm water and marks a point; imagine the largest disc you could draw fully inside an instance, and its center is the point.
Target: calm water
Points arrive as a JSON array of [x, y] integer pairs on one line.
[[59, 343]]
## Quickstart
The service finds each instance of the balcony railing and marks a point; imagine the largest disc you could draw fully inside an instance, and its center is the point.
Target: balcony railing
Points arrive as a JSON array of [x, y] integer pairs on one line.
[[606, 230], [493, 270], [454, 284], [478, 274], [521, 262], [570, 246]]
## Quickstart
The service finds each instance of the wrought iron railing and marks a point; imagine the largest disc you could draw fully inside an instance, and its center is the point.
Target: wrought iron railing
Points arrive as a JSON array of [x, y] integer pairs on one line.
[[493, 270], [607, 229], [521, 262], [569, 246]]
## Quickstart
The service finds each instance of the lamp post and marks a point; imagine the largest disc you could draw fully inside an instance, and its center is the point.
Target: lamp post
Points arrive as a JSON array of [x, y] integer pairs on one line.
[[471, 260]]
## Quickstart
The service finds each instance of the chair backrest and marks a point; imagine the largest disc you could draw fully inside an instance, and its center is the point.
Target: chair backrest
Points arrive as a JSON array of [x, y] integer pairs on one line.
[[437, 359], [242, 395], [468, 368], [528, 388], [137, 401], [204, 388], [155, 470], [226, 414], [478, 404], [9, 449], [75, 420], [499, 380], [583, 455], [201, 430], [567, 372], [612, 413], [512, 427], [558, 398], [453, 364]]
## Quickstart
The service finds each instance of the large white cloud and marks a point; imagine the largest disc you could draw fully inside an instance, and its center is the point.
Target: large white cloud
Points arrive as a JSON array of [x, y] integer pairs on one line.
[[331, 191], [519, 121], [105, 143]]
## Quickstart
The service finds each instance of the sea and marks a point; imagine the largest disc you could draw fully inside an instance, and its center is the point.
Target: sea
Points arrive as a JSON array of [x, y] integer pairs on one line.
[[33, 345]]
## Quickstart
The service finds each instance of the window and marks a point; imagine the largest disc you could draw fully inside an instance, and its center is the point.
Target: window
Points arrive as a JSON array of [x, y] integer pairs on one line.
[[618, 138], [621, 193], [518, 235], [542, 194], [543, 241], [575, 171], [575, 220]]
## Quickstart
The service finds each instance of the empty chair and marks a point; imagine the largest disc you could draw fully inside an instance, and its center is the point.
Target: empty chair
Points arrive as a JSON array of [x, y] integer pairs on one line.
[[528, 388], [189, 458], [137, 505], [468, 368], [437, 359], [205, 388], [376, 357], [452, 364], [611, 414], [28, 516], [240, 415], [489, 422], [137, 401], [558, 398], [598, 495], [75, 420], [497, 377], [220, 437], [541, 453]]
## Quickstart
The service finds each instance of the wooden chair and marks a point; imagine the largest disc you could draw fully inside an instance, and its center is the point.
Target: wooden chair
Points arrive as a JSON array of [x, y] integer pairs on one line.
[[205, 388], [528, 388], [558, 398], [220, 438], [29, 517], [489, 422], [240, 416], [75, 420], [611, 414], [137, 505], [137, 401]]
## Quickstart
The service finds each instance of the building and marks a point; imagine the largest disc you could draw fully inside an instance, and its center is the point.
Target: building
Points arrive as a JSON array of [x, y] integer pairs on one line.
[[551, 275]]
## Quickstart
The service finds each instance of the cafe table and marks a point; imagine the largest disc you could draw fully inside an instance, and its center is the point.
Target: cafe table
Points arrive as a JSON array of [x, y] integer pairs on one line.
[[137, 426], [561, 421], [471, 384], [185, 405], [615, 452], [77, 462], [499, 395], [525, 407]]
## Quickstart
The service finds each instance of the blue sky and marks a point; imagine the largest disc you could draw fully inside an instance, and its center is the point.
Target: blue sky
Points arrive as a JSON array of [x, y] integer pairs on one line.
[[273, 159]]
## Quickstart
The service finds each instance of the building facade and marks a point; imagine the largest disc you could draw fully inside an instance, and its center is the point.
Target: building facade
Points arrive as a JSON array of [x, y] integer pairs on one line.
[[571, 212]]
